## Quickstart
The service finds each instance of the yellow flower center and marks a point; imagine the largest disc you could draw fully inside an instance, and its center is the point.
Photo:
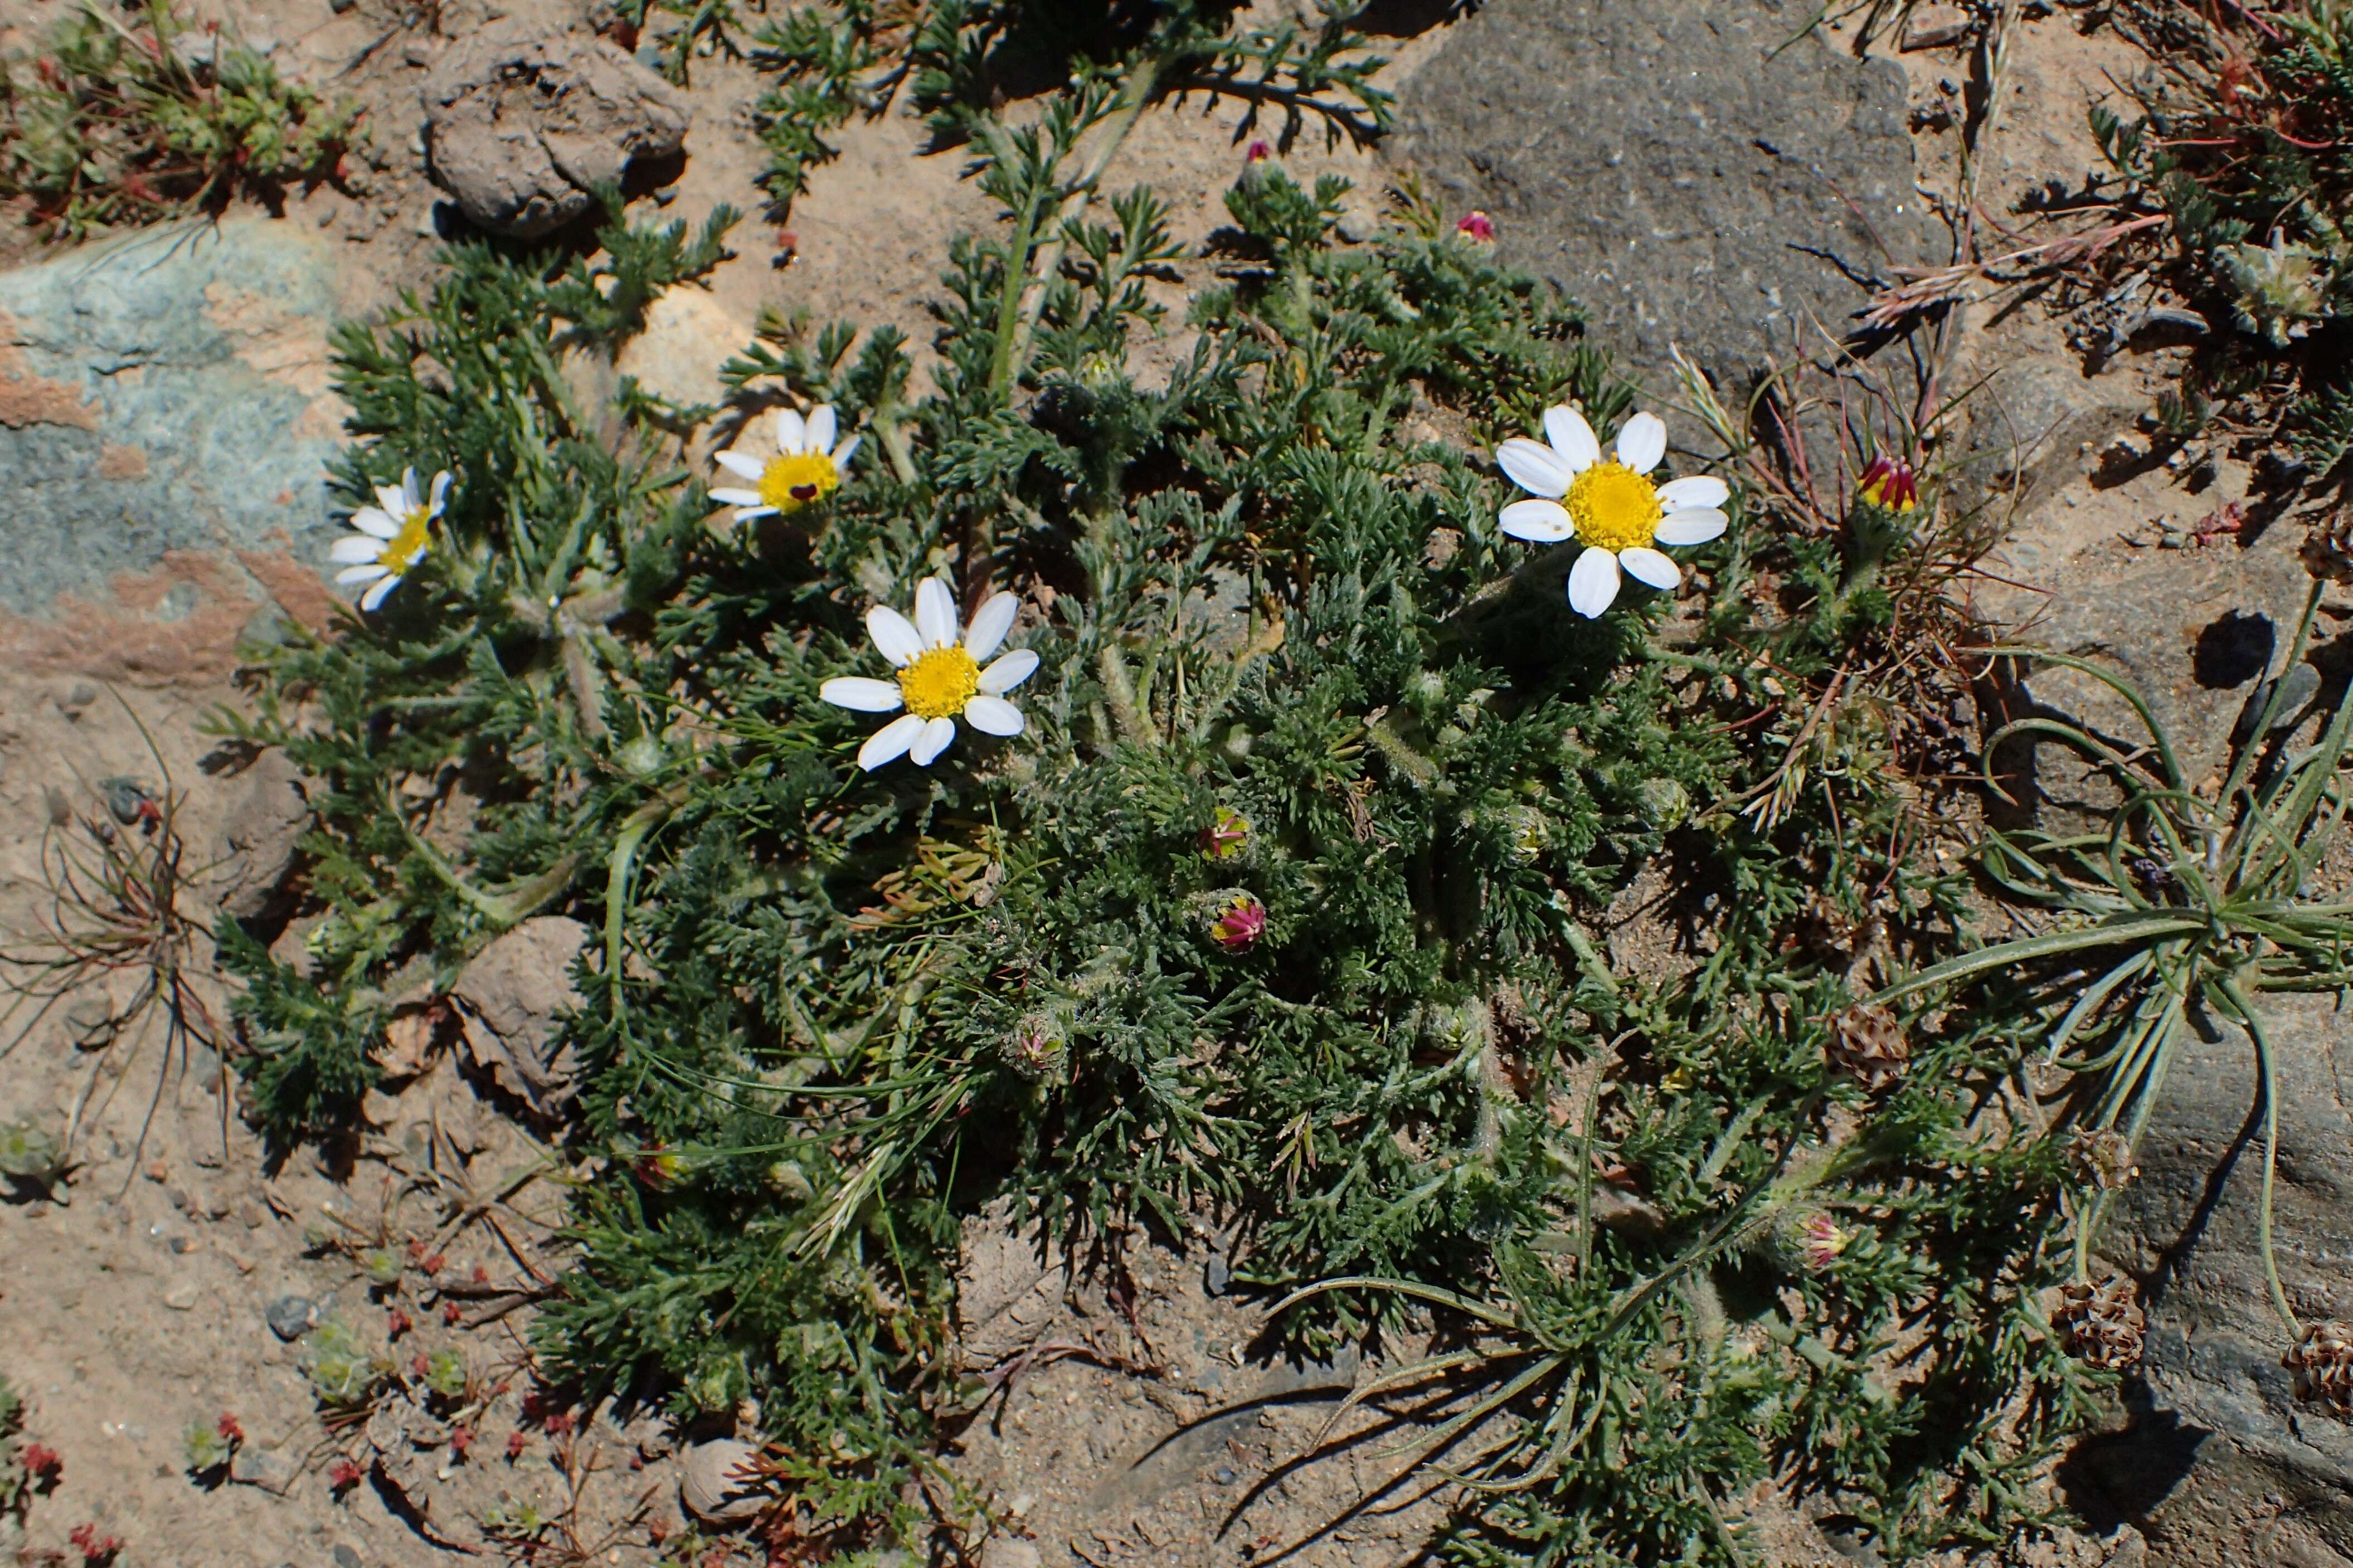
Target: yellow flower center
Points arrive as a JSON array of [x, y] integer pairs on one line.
[[407, 547], [1613, 507], [791, 483], [939, 683]]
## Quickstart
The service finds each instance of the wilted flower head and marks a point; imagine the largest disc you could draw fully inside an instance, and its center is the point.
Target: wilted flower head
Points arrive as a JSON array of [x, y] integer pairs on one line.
[[1226, 836], [1889, 484], [1239, 924], [1477, 227], [2100, 1159], [2328, 550], [1867, 1044], [2281, 289], [2103, 1322], [2323, 1363]]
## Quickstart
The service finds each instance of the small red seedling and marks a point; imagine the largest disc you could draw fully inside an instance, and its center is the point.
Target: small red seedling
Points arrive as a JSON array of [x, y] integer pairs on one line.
[[397, 1323], [96, 1546], [342, 1476], [451, 1312], [516, 1444], [42, 1463], [461, 1438], [230, 1428]]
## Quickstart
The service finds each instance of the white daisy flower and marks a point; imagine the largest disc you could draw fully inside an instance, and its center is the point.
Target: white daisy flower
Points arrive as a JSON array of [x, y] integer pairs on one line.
[[806, 469], [392, 536], [1610, 507], [939, 678]]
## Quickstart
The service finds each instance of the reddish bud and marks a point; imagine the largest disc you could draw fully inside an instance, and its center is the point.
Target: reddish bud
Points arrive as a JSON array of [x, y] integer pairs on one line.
[[1889, 484], [231, 1427], [41, 1462], [396, 1324], [342, 1474], [460, 1439], [434, 1263], [1257, 153], [451, 1312], [516, 1444], [1239, 924], [1476, 225]]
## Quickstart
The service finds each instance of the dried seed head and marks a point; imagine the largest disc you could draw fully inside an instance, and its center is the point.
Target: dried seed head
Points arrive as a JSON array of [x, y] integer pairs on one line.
[[2103, 1322], [2101, 1160], [2323, 1363], [1867, 1044], [1827, 930], [1822, 1239], [2328, 548]]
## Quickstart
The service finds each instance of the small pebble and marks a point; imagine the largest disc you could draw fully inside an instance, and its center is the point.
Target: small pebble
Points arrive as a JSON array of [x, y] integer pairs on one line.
[[79, 696], [346, 1558], [1218, 1275], [1225, 1476], [180, 1298], [264, 1467], [291, 1317]]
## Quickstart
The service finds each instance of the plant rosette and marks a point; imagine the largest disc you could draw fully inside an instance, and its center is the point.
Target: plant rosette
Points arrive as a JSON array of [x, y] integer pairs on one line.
[[1611, 506], [940, 678], [808, 467]]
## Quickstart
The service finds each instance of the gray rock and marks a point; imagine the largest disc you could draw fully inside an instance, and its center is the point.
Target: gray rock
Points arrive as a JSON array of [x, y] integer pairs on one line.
[[345, 1557], [1675, 169], [521, 129], [166, 422], [264, 828], [266, 1468], [2187, 1229], [291, 1317], [511, 1003]]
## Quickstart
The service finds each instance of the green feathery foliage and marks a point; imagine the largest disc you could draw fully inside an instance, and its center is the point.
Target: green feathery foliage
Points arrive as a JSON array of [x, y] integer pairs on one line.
[[1277, 915]]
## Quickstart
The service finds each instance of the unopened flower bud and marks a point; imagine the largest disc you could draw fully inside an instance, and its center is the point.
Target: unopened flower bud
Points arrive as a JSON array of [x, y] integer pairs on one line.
[[1037, 1046], [1477, 226], [1888, 484], [1239, 924]]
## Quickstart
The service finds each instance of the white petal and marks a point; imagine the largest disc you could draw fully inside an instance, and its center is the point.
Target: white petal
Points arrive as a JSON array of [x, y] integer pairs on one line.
[[1593, 582], [1700, 490], [395, 505], [1572, 437], [367, 573], [792, 434], [409, 494], [739, 497], [860, 695], [842, 455], [371, 519], [893, 636], [936, 614], [1534, 466], [355, 547], [376, 595], [1694, 525], [931, 741], [993, 715], [1545, 521], [819, 437], [1009, 671], [891, 741], [440, 490], [1641, 442], [741, 465], [989, 624], [1646, 566], [748, 513]]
